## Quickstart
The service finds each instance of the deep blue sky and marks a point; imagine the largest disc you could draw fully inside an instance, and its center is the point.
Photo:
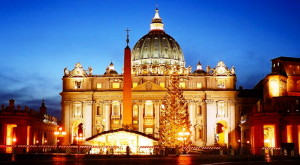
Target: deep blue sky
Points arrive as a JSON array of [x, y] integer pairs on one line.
[[39, 38]]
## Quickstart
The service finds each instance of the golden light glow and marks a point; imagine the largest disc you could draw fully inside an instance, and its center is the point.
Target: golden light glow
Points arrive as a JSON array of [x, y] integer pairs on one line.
[[199, 85], [162, 84], [116, 85], [298, 138], [269, 136], [134, 84], [80, 138], [10, 136], [183, 134], [123, 139], [60, 133], [289, 132], [274, 87], [99, 85], [182, 84]]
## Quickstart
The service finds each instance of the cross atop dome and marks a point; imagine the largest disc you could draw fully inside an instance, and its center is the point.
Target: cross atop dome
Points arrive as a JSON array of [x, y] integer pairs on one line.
[[156, 22]]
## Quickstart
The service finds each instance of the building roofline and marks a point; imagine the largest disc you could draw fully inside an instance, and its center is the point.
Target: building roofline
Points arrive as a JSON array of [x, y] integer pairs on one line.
[[119, 130], [291, 59]]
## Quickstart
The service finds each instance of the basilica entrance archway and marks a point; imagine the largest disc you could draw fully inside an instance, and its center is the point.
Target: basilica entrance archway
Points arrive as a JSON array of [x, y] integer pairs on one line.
[[221, 133]]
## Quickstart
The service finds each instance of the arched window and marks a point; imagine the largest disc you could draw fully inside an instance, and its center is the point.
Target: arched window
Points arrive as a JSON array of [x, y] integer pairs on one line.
[[199, 110], [80, 129], [98, 111], [115, 108]]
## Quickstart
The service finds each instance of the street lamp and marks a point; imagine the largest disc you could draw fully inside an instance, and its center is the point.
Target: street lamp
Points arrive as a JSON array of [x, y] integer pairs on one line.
[[59, 134], [79, 140], [183, 135], [14, 140]]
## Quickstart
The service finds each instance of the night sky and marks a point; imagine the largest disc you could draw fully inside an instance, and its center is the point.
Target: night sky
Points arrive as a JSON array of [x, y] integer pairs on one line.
[[39, 38]]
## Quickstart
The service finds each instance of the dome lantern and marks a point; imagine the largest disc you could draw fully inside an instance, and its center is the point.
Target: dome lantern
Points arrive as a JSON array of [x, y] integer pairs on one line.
[[157, 52], [156, 22]]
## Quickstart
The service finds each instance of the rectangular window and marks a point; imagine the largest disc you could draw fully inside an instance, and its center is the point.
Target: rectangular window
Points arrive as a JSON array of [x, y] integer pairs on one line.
[[116, 85], [162, 84], [99, 85], [221, 109], [116, 121], [148, 121], [135, 122], [148, 108], [134, 84], [149, 131], [199, 85], [182, 84], [199, 110]]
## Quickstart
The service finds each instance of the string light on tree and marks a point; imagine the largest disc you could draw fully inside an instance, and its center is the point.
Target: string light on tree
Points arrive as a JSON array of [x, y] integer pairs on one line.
[[174, 116]]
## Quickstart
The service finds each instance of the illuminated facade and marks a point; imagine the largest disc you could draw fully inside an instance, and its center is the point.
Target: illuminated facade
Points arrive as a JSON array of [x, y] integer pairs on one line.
[[26, 127], [274, 120], [93, 103]]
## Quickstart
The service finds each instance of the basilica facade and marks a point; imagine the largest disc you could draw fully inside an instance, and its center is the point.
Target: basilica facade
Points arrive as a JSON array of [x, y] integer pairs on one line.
[[93, 104]]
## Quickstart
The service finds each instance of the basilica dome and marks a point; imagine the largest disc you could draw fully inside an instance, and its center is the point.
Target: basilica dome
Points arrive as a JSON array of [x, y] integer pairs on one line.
[[157, 47]]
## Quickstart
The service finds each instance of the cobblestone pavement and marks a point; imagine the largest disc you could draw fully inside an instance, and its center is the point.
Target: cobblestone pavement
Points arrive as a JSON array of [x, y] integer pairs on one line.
[[80, 159]]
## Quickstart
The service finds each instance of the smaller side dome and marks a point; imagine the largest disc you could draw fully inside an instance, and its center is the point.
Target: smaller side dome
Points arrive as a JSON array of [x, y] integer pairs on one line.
[[199, 69], [110, 70]]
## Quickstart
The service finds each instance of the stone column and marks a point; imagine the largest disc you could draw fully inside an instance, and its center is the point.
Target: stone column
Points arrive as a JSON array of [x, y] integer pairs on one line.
[[107, 115], [88, 118], [191, 111], [232, 123], [141, 116], [67, 109], [122, 113], [211, 122]]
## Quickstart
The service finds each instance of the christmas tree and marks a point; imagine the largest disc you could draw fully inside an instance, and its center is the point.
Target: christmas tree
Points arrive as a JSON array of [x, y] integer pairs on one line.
[[174, 118]]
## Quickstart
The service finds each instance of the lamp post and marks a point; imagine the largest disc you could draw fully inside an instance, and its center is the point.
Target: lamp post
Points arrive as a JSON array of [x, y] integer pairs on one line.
[[14, 140], [79, 140], [59, 134], [37, 146], [183, 135]]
